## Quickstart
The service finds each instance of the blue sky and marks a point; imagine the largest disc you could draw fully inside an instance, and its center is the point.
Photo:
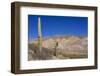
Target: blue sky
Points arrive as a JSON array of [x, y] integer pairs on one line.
[[57, 25]]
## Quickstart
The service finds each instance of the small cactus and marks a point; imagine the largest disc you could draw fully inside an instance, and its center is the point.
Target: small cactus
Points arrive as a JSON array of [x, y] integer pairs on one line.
[[55, 48]]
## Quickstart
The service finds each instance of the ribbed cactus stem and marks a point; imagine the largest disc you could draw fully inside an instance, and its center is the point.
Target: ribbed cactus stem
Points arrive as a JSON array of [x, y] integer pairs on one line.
[[39, 35]]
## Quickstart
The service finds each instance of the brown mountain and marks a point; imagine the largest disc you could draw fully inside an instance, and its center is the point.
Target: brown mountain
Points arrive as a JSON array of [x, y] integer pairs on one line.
[[64, 47]]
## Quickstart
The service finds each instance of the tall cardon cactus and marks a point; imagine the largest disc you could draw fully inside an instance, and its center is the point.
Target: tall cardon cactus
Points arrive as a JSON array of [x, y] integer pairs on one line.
[[39, 34]]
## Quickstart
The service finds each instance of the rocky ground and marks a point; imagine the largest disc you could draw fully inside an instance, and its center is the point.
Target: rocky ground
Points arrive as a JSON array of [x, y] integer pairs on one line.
[[59, 47]]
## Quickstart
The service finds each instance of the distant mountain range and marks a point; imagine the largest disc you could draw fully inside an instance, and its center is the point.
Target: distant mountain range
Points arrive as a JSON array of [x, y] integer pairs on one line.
[[65, 45]]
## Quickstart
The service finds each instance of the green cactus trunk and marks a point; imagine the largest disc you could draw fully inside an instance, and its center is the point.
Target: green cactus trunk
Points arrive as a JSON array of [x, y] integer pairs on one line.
[[39, 35]]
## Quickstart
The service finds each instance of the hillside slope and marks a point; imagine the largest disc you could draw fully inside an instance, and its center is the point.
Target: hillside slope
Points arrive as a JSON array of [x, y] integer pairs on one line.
[[59, 47]]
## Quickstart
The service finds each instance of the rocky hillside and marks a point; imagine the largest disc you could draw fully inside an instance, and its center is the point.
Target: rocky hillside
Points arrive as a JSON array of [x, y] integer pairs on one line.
[[59, 47]]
